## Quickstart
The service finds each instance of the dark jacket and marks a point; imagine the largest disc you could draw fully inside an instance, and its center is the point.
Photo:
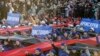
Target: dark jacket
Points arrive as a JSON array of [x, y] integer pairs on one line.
[[39, 55], [59, 51]]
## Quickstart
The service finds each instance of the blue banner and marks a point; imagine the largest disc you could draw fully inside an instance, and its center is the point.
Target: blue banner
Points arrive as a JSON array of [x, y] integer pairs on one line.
[[41, 30], [90, 23], [13, 18]]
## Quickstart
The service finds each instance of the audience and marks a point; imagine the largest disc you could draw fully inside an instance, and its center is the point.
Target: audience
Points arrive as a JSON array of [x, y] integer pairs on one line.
[[64, 50], [60, 14]]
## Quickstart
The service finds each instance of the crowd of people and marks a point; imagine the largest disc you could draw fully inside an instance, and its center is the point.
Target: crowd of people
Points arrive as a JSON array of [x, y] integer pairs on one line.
[[37, 12], [58, 34], [64, 51], [6, 45], [65, 8], [63, 15]]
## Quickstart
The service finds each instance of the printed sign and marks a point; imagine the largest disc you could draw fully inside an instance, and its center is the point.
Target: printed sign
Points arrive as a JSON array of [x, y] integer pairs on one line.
[[90, 23], [13, 18], [41, 30]]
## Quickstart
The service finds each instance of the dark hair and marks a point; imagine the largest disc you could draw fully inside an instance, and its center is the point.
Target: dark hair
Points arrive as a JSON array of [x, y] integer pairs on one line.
[[83, 51], [29, 54]]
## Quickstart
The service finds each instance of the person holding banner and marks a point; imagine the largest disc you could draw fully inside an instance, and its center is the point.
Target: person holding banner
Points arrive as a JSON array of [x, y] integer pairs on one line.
[[86, 52], [38, 52], [62, 51]]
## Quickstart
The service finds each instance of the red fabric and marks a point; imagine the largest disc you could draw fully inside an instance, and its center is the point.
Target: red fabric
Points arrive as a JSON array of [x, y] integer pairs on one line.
[[91, 41], [45, 46], [56, 26], [19, 29], [4, 31], [77, 22], [22, 28]]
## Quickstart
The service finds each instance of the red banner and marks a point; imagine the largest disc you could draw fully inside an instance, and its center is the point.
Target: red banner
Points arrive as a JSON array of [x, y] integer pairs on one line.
[[45, 46]]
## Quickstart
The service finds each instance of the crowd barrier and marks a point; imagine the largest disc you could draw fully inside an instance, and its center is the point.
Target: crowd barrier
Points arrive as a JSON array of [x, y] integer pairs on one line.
[[46, 46]]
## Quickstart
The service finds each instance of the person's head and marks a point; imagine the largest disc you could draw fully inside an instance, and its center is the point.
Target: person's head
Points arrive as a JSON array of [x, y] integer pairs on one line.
[[74, 51], [28, 54], [9, 39], [17, 42], [74, 30], [50, 53], [2, 2], [59, 38], [38, 51], [95, 53], [46, 38], [9, 27], [49, 36], [85, 34], [83, 51], [77, 36], [62, 46], [18, 32], [43, 22], [5, 43], [65, 34], [55, 35]]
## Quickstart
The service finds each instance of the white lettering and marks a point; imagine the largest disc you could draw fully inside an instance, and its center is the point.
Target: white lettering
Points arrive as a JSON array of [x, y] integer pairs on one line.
[[94, 25], [40, 32]]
